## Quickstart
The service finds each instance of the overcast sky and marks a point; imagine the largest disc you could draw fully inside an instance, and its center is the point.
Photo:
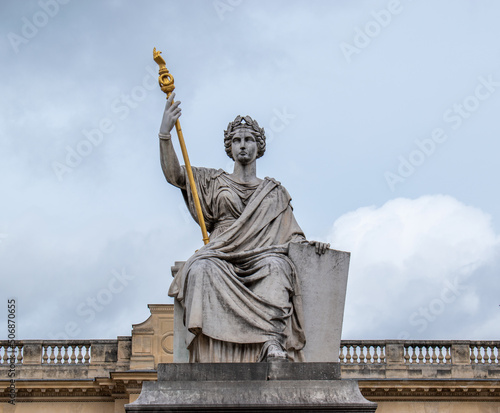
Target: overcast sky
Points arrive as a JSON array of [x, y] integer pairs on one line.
[[382, 119]]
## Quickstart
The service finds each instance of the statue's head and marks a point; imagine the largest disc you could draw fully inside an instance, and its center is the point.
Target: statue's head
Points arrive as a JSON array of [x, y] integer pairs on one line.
[[250, 125]]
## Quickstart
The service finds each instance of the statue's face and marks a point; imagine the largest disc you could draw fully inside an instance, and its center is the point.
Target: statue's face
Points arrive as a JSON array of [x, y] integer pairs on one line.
[[244, 146]]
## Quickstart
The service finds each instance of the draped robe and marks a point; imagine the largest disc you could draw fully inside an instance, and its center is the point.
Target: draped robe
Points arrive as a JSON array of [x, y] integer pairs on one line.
[[240, 290]]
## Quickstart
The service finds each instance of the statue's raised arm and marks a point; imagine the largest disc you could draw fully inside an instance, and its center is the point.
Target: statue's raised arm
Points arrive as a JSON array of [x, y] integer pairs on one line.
[[169, 161]]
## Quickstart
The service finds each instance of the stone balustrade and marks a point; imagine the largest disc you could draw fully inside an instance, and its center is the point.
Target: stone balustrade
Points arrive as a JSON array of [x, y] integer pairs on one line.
[[66, 353], [385, 360], [484, 352], [362, 352], [352, 352], [419, 352], [39, 359], [50, 351]]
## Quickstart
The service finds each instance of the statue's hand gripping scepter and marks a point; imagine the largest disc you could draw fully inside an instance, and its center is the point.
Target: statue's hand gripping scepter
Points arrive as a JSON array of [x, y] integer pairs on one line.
[[166, 81]]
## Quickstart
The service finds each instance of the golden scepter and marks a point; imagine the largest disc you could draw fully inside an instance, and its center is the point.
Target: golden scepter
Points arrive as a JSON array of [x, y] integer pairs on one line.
[[166, 81]]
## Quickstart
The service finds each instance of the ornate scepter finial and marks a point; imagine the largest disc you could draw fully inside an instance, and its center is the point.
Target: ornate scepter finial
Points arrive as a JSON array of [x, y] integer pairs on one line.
[[165, 79]]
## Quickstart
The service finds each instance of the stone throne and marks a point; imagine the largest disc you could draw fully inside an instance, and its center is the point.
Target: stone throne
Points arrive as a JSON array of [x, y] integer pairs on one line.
[[314, 385]]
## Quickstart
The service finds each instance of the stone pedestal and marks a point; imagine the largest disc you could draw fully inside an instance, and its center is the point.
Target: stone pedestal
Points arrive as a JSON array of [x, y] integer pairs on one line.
[[251, 387]]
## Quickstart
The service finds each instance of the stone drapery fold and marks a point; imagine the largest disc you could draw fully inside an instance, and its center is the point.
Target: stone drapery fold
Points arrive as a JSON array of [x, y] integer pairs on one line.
[[241, 287]]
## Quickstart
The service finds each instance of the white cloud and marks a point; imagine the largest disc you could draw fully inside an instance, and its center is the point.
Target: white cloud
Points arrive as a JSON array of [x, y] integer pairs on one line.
[[418, 269]]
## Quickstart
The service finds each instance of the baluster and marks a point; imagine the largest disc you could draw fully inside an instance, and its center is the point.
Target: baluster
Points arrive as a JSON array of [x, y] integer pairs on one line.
[[79, 357], [45, 356], [481, 354], [406, 355], [86, 359], [355, 355], [420, 354], [428, 352], [52, 355], [414, 354], [495, 349], [341, 355], [59, 354], [490, 354], [348, 357], [73, 355], [382, 354], [66, 357], [5, 354], [472, 354], [435, 349], [447, 357], [441, 350], [362, 356], [477, 354], [20, 354], [13, 353]]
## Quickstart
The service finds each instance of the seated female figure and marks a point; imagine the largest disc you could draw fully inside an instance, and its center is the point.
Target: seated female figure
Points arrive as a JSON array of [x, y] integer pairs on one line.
[[240, 292]]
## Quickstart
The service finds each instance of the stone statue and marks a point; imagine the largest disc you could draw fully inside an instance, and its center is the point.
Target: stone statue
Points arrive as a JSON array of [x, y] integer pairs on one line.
[[239, 292]]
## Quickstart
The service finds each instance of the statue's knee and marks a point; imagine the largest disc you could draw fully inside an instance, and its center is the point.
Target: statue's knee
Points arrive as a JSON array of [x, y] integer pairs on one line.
[[277, 265], [201, 266]]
